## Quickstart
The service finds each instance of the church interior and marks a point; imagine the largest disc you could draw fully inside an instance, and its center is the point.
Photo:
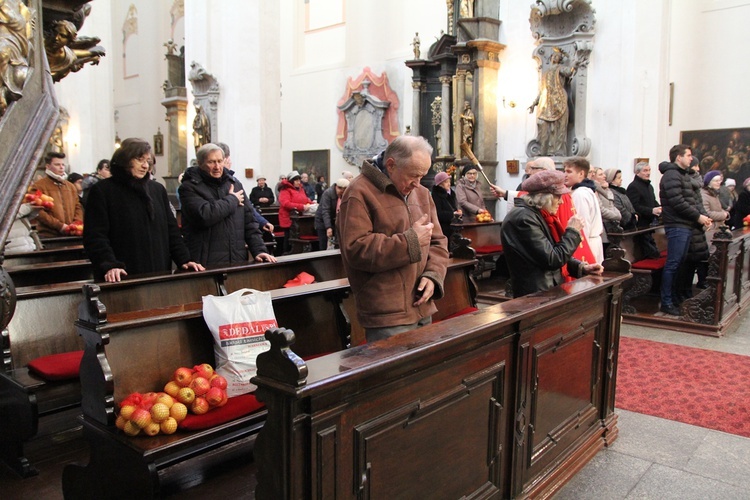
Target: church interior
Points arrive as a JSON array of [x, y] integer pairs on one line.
[[540, 396]]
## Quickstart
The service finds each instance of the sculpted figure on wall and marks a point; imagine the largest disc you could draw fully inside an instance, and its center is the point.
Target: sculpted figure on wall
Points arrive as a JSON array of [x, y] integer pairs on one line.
[[416, 43], [15, 36], [466, 8], [201, 127], [467, 125], [551, 105], [66, 52]]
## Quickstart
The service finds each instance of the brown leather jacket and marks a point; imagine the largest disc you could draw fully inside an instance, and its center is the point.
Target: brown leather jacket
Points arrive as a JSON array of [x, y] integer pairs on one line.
[[381, 252], [67, 206]]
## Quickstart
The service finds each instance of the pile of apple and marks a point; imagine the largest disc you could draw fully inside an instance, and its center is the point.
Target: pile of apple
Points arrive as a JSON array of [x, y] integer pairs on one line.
[[75, 228], [746, 221], [39, 199], [197, 390], [484, 216]]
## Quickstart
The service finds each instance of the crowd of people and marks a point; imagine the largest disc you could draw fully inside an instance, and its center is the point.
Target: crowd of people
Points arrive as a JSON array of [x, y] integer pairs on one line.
[[393, 232]]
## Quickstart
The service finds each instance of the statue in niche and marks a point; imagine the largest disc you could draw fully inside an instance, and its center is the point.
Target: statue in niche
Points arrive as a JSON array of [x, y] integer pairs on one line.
[[416, 43], [437, 118], [467, 125], [201, 127], [15, 36], [66, 52], [552, 105], [466, 8]]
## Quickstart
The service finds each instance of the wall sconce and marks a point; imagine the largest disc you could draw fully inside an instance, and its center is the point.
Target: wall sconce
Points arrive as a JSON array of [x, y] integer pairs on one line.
[[118, 142], [509, 103]]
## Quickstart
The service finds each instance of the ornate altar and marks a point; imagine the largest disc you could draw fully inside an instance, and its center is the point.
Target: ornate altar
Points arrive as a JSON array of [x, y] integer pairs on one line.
[[460, 73]]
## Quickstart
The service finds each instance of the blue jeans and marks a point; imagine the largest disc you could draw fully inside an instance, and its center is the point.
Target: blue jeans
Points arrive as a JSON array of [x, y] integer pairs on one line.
[[678, 244]]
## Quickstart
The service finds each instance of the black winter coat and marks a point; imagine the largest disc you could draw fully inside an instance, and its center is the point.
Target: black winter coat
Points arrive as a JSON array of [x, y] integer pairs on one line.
[[118, 231], [681, 204], [445, 205], [625, 207], [741, 209], [214, 225], [262, 192], [534, 260], [325, 215], [641, 194]]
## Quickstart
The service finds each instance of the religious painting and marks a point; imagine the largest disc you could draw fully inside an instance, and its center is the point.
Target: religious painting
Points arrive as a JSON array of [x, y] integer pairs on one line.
[[314, 163], [726, 150], [513, 166]]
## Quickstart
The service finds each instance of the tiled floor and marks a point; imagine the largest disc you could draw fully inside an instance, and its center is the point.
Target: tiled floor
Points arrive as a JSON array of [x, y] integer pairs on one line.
[[659, 459]]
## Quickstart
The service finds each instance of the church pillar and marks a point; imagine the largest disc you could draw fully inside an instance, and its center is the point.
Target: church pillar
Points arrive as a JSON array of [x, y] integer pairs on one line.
[[416, 106], [445, 123], [457, 107]]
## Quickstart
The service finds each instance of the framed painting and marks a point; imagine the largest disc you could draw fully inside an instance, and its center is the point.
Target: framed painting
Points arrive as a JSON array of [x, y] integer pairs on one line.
[[724, 149], [314, 163]]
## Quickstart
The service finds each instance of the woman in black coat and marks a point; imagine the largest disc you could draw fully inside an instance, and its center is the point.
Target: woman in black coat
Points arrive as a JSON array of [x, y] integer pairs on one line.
[[128, 226], [445, 202], [741, 208]]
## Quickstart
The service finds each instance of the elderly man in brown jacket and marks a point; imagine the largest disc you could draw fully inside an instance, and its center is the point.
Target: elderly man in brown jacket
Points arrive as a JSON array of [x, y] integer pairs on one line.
[[67, 205], [393, 249]]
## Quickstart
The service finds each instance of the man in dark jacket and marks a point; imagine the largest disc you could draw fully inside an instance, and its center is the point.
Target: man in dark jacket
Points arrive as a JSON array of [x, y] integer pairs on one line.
[[641, 194], [217, 219], [325, 215], [681, 212], [262, 195]]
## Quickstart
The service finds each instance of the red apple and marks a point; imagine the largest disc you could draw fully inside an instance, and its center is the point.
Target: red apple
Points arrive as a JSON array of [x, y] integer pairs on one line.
[[199, 406], [200, 385], [214, 396], [183, 376], [219, 381]]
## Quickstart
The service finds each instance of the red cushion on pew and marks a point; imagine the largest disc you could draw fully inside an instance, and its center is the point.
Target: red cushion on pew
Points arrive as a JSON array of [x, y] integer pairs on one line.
[[308, 237], [650, 264], [278, 234], [488, 249], [61, 366], [663, 253], [236, 407], [465, 310]]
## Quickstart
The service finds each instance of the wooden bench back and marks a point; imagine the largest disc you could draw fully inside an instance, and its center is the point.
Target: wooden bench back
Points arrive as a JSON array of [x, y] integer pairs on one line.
[[43, 320], [73, 252]]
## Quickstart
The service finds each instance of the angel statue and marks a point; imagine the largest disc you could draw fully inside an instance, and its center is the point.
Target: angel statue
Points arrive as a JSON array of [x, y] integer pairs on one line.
[[66, 52]]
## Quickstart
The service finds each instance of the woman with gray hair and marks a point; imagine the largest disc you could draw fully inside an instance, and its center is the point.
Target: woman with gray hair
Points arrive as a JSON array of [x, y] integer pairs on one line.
[[535, 243]]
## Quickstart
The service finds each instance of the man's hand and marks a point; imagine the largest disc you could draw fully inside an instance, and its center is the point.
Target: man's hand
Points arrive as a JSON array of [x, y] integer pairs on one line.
[[268, 227], [115, 274], [425, 290], [497, 191], [576, 222], [656, 211], [593, 269], [193, 266], [239, 195], [263, 199], [704, 220], [265, 257], [329, 232], [423, 230]]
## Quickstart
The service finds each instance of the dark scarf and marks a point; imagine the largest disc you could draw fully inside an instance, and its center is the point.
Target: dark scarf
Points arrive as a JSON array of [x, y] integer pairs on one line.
[[586, 183], [124, 178], [554, 225]]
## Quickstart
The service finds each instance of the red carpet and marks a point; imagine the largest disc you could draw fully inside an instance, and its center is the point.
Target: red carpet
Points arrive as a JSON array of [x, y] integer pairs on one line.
[[695, 386]]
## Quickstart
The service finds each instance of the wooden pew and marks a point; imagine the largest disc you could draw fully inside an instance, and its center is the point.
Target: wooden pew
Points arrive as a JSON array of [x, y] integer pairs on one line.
[[61, 241], [507, 402], [151, 466], [713, 310], [303, 236], [646, 272], [73, 252], [138, 352], [43, 324], [484, 240], [42, 273]]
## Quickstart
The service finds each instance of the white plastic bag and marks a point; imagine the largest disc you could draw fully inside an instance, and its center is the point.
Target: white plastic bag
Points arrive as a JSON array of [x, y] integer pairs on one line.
[[238, 322]]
